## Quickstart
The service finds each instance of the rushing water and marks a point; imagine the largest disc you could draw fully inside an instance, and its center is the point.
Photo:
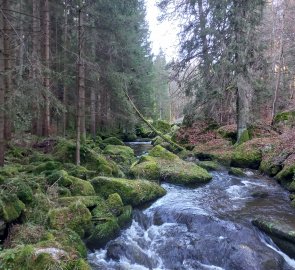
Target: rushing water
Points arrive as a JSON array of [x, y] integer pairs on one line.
[[208, 227]]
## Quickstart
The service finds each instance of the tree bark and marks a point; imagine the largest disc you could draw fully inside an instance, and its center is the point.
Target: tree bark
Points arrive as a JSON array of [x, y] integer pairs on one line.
[[64, 118], [92, 112], [7, 69], [80, 89], [46, 58], [2, 90]]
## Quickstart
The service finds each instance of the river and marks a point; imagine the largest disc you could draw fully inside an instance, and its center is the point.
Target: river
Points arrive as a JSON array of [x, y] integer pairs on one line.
[[207, 227]]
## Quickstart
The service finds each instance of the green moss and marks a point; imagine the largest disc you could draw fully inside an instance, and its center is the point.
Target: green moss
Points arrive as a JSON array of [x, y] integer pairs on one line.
[[21, 188], [134, 192], [161, 164], [148, 169], [115, 204], [284, 117], [47, 166], [286, 174], [88, 201], [266, 166], [59, 177], [79, 171], [244, 137], [38, 258], [9, 171], [70, 241], [10, 207], [162, 126], [25, 234], [122, 155], [209, 165], [184, 173], [36, 212], [126, 216], [104, 232], [160, 152], [236, 172], [112, 141], [246, 157], [76, 217], [81, 187]]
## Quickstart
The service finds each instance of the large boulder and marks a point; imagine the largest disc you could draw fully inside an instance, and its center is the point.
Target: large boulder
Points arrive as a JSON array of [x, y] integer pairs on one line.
[[76, 217], [160, 164], [133, 192]]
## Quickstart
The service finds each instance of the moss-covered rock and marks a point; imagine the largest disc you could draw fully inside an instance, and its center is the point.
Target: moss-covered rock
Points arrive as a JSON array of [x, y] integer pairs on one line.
[[47, 166], [21, 187], [36, 212], [103, 232], [79, 171], [228, 132], [246, 157], [236, 172], [10, 206], [134, 192], [160, 152], [89, 201], [147, 168], [162, 126], [46, 255], [209, 165], [160, 164], [113, 141], [76, 217], [76, 185], [65, 152], [122, 155], [115, 204]]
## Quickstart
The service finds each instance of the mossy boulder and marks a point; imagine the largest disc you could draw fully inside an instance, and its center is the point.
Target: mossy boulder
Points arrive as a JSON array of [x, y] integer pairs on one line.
[[144, 131], [21, 187], [11, 206], [236, 172], [46, 255], [209, 165], [147, 167], [89, 201], [115, 204], [79, 171], [113, 141], [76, 185], [160, 164], [47, 166], [162, 126], [246, 157], [76, 217], [133, 192], [103, 232], [65, 152], [122, 155]]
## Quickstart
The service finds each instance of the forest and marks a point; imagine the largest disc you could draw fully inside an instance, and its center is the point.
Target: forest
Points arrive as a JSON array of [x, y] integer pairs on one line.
[[115, 157]]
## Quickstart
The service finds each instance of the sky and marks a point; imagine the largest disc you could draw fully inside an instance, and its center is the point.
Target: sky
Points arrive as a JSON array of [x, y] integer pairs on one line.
[[162, 34]]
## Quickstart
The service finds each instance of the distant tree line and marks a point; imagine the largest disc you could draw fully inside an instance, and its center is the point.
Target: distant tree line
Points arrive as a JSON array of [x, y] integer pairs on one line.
[[65, 66]]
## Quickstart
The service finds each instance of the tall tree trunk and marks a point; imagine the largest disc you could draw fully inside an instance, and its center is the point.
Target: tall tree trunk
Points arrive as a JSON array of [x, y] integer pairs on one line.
[[36, 121], [7, 69], [280, 66], [46, 56], [80, 90], [64, 118], [2, 89], [92, 112]]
